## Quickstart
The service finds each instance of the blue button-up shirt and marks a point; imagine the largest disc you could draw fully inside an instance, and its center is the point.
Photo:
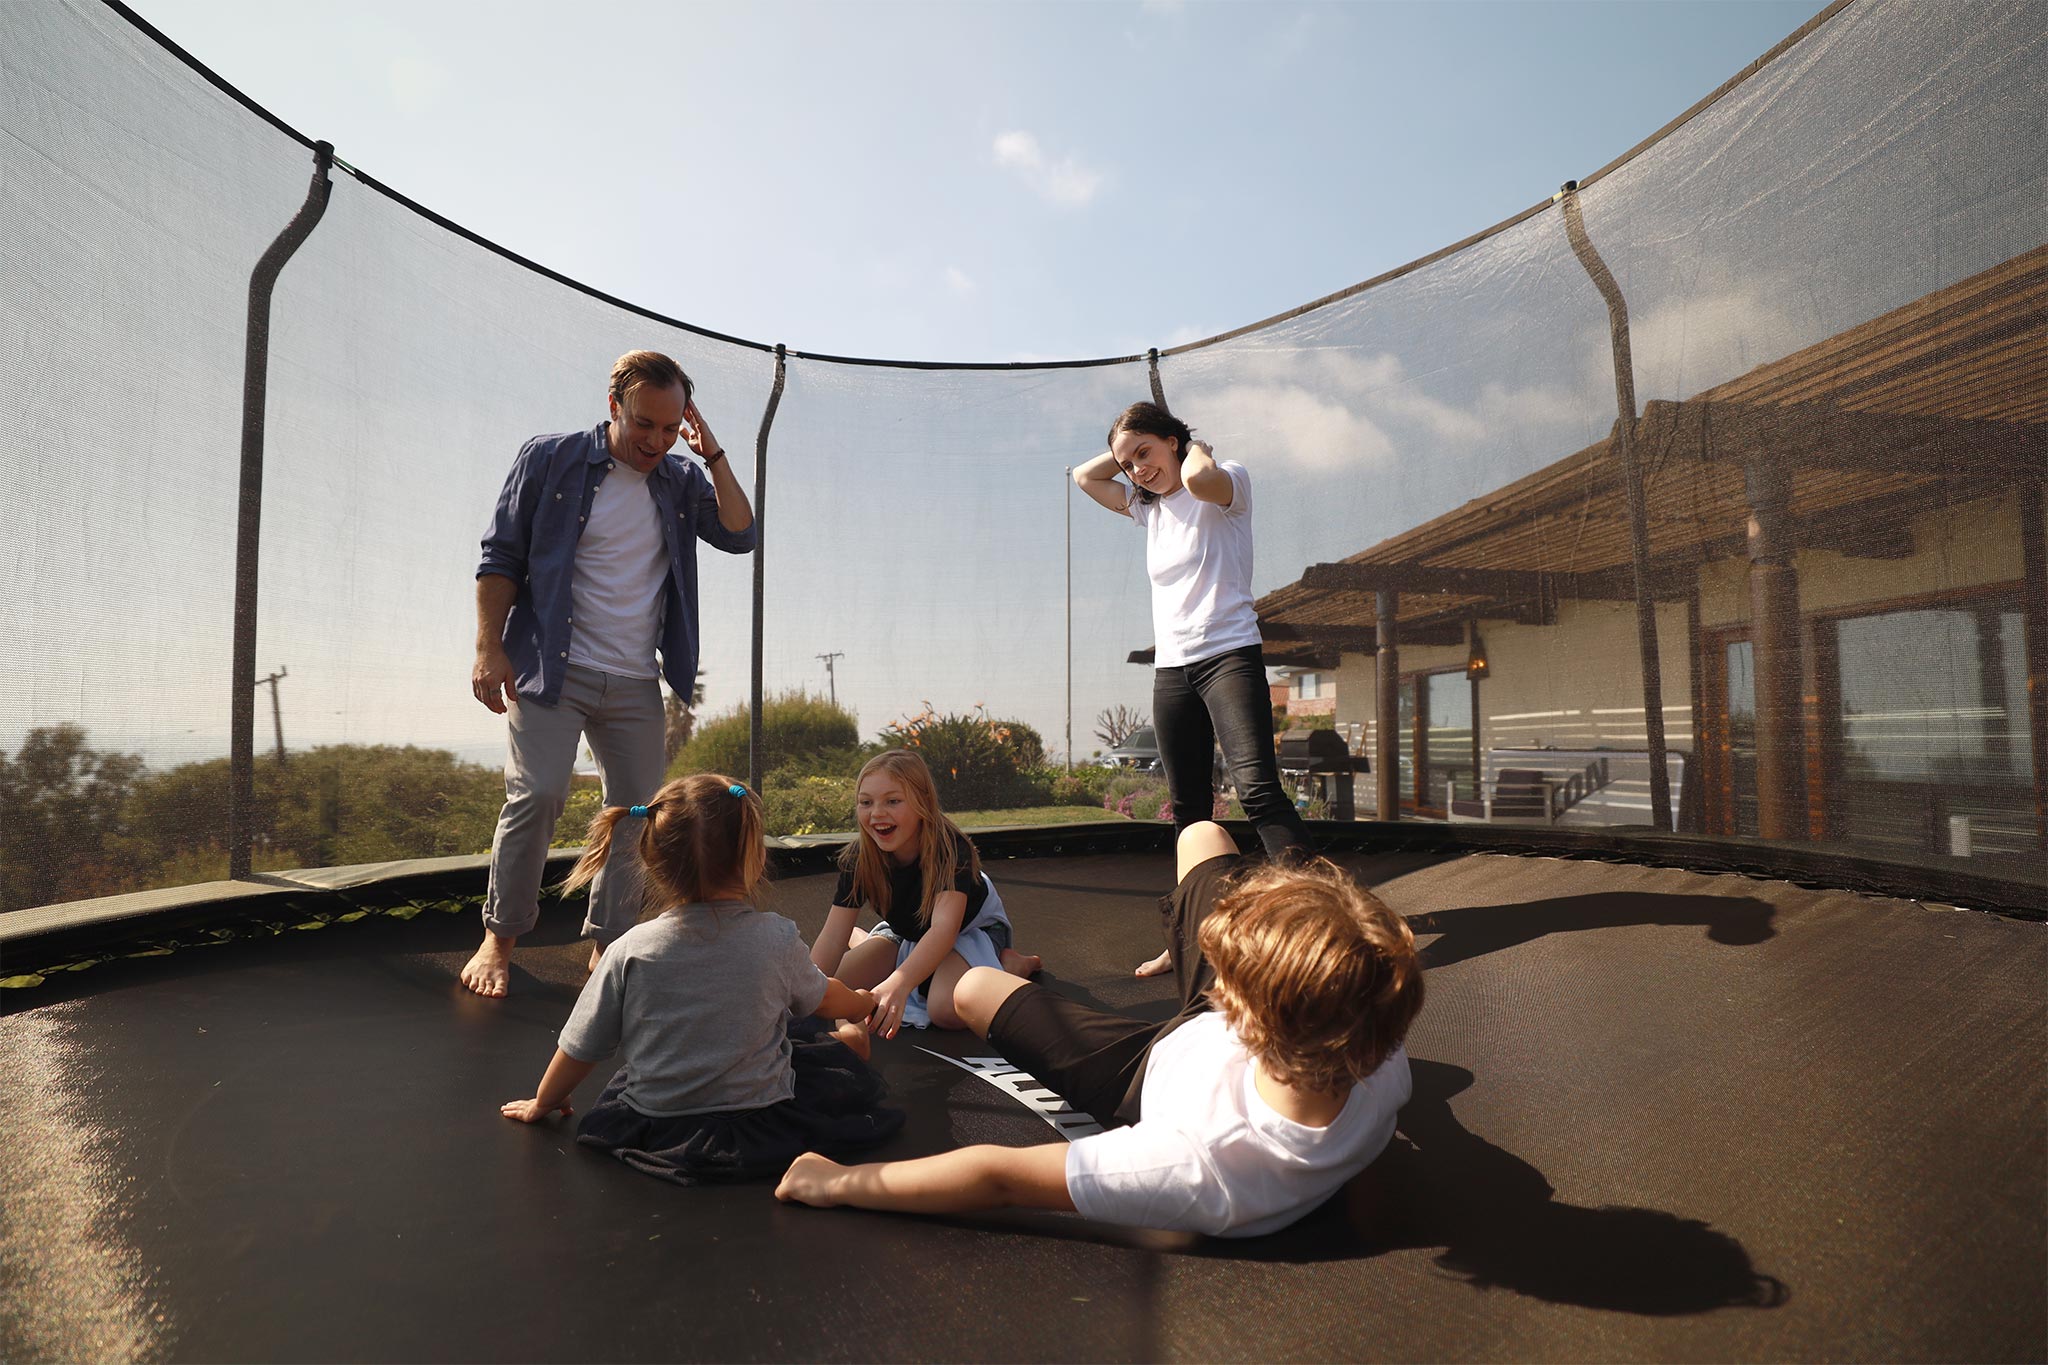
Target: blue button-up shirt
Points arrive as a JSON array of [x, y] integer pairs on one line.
[[532, 541]]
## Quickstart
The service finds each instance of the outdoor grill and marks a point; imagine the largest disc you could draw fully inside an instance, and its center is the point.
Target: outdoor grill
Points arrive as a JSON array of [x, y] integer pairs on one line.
[[1322, 755]]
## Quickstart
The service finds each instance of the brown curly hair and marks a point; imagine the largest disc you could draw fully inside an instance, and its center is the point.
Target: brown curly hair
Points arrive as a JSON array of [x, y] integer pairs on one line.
[[1319, 978]]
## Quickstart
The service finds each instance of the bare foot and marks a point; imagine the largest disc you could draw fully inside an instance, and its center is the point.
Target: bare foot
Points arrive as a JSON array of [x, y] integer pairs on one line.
[[1021, 964], [854, 1034], [596, 952], [1158, 966], [489, 970]]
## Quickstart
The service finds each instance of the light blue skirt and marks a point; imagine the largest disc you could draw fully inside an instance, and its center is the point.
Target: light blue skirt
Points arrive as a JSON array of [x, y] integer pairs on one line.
[[981, 944]]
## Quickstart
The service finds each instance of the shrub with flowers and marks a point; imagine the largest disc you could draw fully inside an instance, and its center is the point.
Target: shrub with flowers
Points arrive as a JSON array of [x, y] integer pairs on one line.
[[977, 761], [1138, 796]]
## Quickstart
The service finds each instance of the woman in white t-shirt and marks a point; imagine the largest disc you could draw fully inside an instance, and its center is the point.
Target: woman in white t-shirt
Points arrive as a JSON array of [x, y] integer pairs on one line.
[[1209, 679]]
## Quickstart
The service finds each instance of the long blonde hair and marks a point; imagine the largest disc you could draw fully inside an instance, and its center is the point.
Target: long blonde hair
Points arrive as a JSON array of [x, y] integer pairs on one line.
[[938, 838], [698, 834]]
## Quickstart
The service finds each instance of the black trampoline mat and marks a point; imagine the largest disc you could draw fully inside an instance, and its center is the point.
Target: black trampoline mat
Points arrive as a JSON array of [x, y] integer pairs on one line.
[[1658, 1115]]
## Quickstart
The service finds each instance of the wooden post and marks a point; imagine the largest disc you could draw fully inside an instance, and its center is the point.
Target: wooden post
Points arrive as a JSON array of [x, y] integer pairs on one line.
[[1387, 738], [2034, 610], [1774, 616], [1696, 651]]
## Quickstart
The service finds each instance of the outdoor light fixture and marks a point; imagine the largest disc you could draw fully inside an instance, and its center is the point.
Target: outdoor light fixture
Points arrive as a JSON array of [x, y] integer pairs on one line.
[[1475, 660]]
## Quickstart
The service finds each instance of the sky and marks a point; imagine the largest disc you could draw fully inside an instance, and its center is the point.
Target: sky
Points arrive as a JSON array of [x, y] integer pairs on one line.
[[966, 182], [975, 181]]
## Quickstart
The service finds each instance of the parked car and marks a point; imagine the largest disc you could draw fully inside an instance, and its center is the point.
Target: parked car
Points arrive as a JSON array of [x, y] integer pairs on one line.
[[1140, 754]]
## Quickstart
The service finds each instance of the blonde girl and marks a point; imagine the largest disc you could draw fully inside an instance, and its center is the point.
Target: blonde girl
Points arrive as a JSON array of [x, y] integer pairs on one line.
[[727, 1072], [940, 914]]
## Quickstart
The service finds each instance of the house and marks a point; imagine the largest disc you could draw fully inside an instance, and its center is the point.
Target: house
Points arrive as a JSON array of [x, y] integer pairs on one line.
[[1840, 620]]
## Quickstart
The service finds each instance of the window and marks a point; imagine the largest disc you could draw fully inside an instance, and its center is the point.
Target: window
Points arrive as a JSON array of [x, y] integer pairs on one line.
[[1927, 728]]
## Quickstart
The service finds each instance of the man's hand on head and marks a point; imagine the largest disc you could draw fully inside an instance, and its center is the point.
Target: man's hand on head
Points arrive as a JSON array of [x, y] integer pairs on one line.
[[697, 433]]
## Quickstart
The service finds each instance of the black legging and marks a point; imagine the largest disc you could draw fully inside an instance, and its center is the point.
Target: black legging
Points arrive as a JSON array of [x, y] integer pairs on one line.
[[1223, 699]]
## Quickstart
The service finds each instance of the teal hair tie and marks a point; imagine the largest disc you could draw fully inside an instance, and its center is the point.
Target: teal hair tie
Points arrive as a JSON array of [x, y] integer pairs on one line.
[[640, 811], [737, 790]]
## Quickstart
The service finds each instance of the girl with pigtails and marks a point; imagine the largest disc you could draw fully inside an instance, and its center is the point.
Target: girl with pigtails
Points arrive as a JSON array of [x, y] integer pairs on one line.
[[730, 1064]]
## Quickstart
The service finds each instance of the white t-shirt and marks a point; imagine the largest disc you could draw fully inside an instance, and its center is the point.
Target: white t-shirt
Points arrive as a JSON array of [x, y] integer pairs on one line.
[[1209, 1155], [1199, 557], [616, 592]]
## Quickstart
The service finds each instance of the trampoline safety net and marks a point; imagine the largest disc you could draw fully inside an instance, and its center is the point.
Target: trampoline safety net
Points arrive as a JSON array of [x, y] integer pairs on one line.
[[1705, 499]]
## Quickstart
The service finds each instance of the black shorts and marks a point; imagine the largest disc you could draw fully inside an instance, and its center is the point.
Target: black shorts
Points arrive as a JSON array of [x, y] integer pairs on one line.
[[1093, 1059]]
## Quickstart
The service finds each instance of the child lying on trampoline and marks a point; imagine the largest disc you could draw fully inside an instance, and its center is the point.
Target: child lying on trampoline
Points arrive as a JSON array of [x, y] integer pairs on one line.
[[728, 1072], [1277, 1081]]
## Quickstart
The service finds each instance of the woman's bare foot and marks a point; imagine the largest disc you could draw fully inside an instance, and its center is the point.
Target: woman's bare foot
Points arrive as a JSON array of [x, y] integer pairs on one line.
[[489, 970], [1158, 966], [854, 1034], [1020, 964]]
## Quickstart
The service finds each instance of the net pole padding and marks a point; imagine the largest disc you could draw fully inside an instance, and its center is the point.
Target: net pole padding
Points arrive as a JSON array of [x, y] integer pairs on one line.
[[249, 513], [2034, 614], [1152, 371], [1638, 512], [1387, 688], [761, 564]]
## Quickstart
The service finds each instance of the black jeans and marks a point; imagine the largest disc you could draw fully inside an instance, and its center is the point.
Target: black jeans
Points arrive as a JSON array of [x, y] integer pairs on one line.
[[1224, 700]]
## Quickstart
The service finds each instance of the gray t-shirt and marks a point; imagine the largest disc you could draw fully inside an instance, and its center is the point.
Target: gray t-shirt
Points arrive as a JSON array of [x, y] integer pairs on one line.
[[698, 998]]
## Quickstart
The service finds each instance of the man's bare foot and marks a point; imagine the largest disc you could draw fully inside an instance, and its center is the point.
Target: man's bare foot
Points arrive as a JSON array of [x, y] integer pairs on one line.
[[596, 952], [490, 969], [1158, 966], [1020, 964], [854, 1034]]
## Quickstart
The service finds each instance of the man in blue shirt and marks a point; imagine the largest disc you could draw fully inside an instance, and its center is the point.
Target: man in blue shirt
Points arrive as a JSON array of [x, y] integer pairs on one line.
[[589, 567]]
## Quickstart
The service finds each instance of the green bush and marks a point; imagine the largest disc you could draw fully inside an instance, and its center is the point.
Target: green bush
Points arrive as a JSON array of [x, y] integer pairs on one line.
[[1083, 786], [809, 805], [977, 762], [796, 729], [586, 799]]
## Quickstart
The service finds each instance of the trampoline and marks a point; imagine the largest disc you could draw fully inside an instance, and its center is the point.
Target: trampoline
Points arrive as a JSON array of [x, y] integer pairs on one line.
[[1658, 1115], [1671, 560]]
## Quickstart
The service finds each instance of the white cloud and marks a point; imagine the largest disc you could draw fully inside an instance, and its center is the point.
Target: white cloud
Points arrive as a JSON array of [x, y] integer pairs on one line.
[[1321, 407], [1304, 429], [1705, 338], [958, 281], [1066, 181]]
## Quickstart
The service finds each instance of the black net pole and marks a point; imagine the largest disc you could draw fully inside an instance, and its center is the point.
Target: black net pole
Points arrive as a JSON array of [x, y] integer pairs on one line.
[[1638, 512], [754, 700], [249, 515], [1152, 368]]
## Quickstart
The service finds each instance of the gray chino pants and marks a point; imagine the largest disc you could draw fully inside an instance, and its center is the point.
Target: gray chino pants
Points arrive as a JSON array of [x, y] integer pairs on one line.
[[622, 718]]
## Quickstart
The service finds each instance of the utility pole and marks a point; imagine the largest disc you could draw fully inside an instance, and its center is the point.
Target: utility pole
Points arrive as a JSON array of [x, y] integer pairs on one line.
[[276, 713], [830, 682], [1070, 618]]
